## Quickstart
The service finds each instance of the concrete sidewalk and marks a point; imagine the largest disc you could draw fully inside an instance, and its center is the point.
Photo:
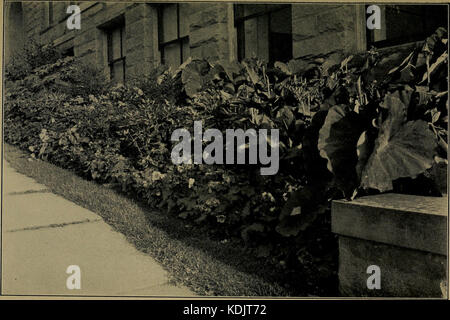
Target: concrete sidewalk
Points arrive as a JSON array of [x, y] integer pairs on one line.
[[43, 234]]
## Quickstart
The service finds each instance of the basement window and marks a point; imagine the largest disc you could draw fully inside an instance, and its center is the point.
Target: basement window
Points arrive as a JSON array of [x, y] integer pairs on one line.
[[69, 52]]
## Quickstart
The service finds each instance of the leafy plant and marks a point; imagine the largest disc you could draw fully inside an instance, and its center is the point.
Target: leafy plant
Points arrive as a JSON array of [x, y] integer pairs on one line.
[[399, 141], [32, 56]]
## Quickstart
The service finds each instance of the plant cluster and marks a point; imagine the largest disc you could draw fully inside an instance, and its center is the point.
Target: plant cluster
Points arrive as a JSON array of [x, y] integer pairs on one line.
[[33, 55], [349, 126]]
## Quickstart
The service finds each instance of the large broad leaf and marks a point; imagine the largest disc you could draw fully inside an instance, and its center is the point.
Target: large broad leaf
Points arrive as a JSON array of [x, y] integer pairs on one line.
[[232, 69], [283, 67], [301, 210], [337, 143], [363, 151], [285, 116], [438, 174], [404, 64], [194, 76], [332, 62], [434, 67], [381, 70], [315, 167], [252, 73], [253, 228], [402, 149]]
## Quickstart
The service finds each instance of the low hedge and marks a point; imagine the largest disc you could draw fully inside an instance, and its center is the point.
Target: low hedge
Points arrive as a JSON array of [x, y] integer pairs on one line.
[[343, 120]]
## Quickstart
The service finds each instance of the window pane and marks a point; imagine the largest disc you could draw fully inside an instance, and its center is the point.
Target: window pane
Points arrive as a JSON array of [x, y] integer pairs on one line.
[[281, 35], [380, 34], [245, 10], [69, 52], [264, 31], [50, 12], [59, 10], [256, 35], [116, 44], [254, 9], [281, 21], [239, 11], [184, 19], [250, 38], [407, 23], [169, 22], [186, 49], [117, 71], [263, 37], [172, 55]]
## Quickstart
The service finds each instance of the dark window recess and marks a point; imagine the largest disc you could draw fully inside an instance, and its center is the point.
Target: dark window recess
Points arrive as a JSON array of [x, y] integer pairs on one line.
[[173, 33], [264, 31], [115, 39], [69, 52], [406, 23], [50, 13], [116, 56]]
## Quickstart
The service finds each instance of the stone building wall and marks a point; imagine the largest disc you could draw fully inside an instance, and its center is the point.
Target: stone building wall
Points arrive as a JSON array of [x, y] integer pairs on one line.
[[316, 29], [209, 35], [319, 29]]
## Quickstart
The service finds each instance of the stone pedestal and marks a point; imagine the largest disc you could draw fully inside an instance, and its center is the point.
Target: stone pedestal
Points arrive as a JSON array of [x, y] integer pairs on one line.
[[404, 235]]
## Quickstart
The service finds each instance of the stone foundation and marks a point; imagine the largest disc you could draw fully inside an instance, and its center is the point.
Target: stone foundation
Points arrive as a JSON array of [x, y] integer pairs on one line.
[[404, 235]]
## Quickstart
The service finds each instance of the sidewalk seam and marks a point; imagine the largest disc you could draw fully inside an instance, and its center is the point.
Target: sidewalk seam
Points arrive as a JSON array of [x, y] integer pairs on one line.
[[19, 193], [54, 225]]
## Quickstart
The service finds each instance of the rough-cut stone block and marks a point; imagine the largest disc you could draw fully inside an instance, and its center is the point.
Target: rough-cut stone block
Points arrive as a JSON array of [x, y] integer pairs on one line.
[[85, 37], [340, 19], [403, 272], [304, 28], [86, 47], [302, 10], [209, 51], [137, 30], [136, 12], [404, 235], [324, 44], [203, 15], [403, 220]]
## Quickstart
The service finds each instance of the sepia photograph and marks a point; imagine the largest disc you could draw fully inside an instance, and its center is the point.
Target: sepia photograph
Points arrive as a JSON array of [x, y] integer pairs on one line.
[[224, 149]]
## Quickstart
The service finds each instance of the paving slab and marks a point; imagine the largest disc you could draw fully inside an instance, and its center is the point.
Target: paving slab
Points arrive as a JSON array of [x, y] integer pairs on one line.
[[43, 234], [35, 262], [35, 210], [163, 290], [18, 183]]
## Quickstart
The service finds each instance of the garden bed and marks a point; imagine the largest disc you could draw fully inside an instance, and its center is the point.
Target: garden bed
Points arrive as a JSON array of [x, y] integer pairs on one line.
[[349, 125]]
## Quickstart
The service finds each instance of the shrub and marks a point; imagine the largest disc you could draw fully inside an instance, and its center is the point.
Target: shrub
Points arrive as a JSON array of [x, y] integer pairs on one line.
[[67, 75], [83, 79], [32, 56], [161, 84]]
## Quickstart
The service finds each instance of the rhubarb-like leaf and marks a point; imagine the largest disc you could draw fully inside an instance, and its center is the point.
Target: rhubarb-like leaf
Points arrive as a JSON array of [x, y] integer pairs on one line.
[[337, 143], [194, 76], [402, 149]]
